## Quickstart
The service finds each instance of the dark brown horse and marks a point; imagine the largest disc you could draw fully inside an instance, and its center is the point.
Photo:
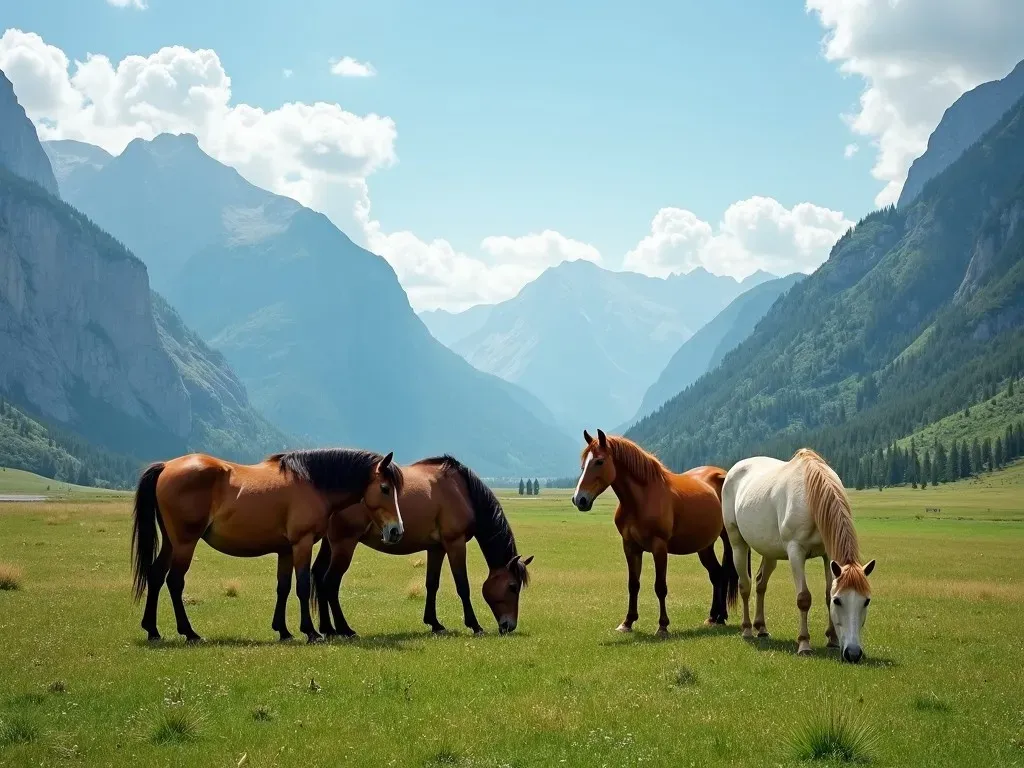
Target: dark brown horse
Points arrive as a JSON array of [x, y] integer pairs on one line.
[[280, 506], [445, 505], [661, 513]]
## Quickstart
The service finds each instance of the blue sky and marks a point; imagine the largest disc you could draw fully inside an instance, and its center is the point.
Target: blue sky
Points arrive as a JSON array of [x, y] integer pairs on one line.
[[512, 121]]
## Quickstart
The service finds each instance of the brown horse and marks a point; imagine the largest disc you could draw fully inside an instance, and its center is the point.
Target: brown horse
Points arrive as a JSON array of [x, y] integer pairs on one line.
[[661, 513], [280, 506], [445, 505]]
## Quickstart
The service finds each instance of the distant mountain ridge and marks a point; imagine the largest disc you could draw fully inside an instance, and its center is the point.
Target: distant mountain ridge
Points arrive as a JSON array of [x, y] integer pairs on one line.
[[970, 116], [704, 350], [587, 341], [20, 151], [319, 329]]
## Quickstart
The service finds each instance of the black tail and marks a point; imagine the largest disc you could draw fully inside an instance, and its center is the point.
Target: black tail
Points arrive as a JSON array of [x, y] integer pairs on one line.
[[732, 575], [319, 571], [144, 529]]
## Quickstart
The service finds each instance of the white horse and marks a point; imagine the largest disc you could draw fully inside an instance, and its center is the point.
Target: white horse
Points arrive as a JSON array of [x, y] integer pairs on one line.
[[793, 510]]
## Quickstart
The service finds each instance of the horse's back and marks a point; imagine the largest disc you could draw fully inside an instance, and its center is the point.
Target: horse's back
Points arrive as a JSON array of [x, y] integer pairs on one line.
[[697, 509]]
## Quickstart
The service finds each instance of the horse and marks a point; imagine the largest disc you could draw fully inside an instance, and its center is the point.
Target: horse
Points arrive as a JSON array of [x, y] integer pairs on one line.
[[445, 505], [662, 513], [279, 506], [793, 510]]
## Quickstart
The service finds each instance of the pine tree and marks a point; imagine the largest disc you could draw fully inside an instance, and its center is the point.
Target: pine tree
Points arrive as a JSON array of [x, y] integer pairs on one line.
[[954, 461], [1009, 389], [977, 460], [986, 454], [965, 460], [522, 487], [536, 487], [997, 453]]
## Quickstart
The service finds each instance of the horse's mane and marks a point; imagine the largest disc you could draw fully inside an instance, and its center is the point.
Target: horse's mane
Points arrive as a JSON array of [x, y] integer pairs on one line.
[[337, 469], [830, 510], [644, 467], [492, 529]]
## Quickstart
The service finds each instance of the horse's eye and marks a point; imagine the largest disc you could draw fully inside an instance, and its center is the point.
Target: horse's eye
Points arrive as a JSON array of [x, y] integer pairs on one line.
[[836, 601], [599, 462], [513, 588], [385, 489], [866, 601]]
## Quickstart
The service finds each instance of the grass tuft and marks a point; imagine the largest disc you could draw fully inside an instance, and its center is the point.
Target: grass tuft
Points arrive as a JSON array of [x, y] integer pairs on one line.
[[929, 702], [684, 677], [262, 713], [18, 730], [232, 587], [836, 734], [443, 756], [176, 725], [191, 601], [415, 590], [418, 562], [57, 686], [10, 577]]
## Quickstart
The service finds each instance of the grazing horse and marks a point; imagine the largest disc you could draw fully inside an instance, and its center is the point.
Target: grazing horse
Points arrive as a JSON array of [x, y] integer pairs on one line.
[[445, 505], [661, 513], [793, 510], [280, 506]]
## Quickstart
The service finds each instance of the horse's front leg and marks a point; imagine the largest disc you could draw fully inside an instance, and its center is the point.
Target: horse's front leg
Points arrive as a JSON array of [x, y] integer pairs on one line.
[[302, 556], [830, 633], [659, 548], [457, 561], [284, 587], [341, 559], [797, 561], [634, 563], [435, 560]]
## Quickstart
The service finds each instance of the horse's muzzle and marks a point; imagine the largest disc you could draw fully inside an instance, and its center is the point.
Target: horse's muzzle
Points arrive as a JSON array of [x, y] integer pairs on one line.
[[391, 533], [506, 625], [582, 503], [853, 654]]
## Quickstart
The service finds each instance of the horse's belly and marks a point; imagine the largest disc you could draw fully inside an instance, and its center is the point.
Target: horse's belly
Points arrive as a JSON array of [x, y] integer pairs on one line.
[[763, 538]]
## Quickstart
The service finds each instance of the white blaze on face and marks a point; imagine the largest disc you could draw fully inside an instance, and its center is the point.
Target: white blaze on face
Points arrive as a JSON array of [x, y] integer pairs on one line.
[[848, 617], [583, 473], [401, 525]]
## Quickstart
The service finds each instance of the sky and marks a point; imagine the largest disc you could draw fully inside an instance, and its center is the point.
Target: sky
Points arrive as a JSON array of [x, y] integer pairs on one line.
[[473, 145]]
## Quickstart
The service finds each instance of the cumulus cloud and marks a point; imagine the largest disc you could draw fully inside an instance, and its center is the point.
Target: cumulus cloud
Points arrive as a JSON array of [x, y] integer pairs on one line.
[[916, 57], [850, 150], [140, 4], [349, 67], [287, 73], [757, 233]]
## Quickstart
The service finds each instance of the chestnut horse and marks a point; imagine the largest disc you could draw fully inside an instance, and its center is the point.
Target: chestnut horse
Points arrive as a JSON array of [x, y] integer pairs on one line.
[[445, 505], [661, 513], [279, 506]]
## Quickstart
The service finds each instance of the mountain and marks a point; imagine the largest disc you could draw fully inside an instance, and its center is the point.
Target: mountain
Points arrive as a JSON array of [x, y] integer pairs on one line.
[[918, 313], [20, 151], [74, 162], [318, 329], [452, 327], [587, 341], [970, 116], [705, 349]]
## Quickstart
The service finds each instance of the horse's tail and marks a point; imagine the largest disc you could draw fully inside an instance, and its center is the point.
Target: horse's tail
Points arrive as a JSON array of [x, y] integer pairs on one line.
[[731, 574], [717, 479], [319, 571], [144, 528]]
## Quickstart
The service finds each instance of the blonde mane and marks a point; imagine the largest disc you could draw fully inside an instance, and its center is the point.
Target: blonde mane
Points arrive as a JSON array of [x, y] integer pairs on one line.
[[629, 457], [830, 510]]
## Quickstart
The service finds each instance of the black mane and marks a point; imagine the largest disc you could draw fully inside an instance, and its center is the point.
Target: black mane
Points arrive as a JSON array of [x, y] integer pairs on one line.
[[493, 533], [337, 469]]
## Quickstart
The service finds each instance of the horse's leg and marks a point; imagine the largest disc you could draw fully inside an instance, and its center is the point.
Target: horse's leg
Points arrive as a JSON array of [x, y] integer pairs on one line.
[[181, 559], [321, 577], [741, 560], [341, 559], [718, 588], [634, 564], [154, 583], [763, 574], [302, 555], [830, 633], [457, 562], [435, 560], [659, 548], [797, 562], [284, 587]]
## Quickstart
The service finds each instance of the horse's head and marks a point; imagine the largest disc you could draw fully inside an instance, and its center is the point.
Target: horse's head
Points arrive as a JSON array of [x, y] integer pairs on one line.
[[596, 473], [501, 592], [381, 499], [848, 606]]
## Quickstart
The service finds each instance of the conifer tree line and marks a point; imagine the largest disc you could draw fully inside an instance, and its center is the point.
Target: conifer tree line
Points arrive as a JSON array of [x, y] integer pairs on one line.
[[529, 488]]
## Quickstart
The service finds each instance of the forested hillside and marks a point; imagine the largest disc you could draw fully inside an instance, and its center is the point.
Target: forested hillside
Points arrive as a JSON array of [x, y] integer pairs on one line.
[[917, 314]]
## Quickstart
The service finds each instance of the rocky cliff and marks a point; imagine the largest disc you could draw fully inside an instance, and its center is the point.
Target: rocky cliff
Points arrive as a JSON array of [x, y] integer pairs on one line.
[[20, 150]]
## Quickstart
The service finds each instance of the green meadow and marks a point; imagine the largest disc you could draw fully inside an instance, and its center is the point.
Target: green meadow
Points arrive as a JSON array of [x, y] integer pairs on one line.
[[940, 687]]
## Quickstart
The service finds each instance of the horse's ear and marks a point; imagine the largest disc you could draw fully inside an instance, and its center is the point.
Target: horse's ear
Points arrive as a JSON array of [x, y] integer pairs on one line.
[[869, 568], [528, 560], [602, 438], [837, 569], [385, 462], [512, 562], [587, 438]]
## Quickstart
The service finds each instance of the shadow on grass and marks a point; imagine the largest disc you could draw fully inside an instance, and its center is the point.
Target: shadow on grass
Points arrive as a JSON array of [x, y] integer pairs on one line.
[[817, 652], [383, 641], [691, 633]]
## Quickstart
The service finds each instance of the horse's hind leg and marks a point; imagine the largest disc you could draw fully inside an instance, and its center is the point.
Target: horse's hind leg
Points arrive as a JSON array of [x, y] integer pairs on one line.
[[154, 583], [321, 576], [741, 560], [302, 556], [435, 560], [284, 588], [763, 574], [659, 548], [340, 561], [716, 573], [181, 560]]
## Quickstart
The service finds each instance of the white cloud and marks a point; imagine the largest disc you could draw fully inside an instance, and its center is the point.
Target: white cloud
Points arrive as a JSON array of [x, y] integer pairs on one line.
[[917, 57], [140, 4], [349, 67], [287, 73], [850, 150], [757, 233]]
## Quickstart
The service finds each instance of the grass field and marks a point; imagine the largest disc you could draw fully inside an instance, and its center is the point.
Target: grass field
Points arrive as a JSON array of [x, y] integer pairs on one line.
[[941, 686], [18, 481]]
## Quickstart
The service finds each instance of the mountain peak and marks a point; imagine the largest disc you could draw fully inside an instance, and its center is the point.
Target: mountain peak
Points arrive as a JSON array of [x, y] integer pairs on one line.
[[20, 150]]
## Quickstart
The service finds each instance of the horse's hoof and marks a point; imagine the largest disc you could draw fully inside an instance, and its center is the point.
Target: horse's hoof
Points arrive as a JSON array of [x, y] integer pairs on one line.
[[479, 631], [624, 627], [747, 632], [154, 637], [804, 651], [285, 637], [193, 639], [438, 630], [662, 632], [763, 633], [314, 637]]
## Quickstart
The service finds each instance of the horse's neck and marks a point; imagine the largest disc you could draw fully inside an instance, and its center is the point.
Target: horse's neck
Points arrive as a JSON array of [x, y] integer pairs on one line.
[[629, 491]]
